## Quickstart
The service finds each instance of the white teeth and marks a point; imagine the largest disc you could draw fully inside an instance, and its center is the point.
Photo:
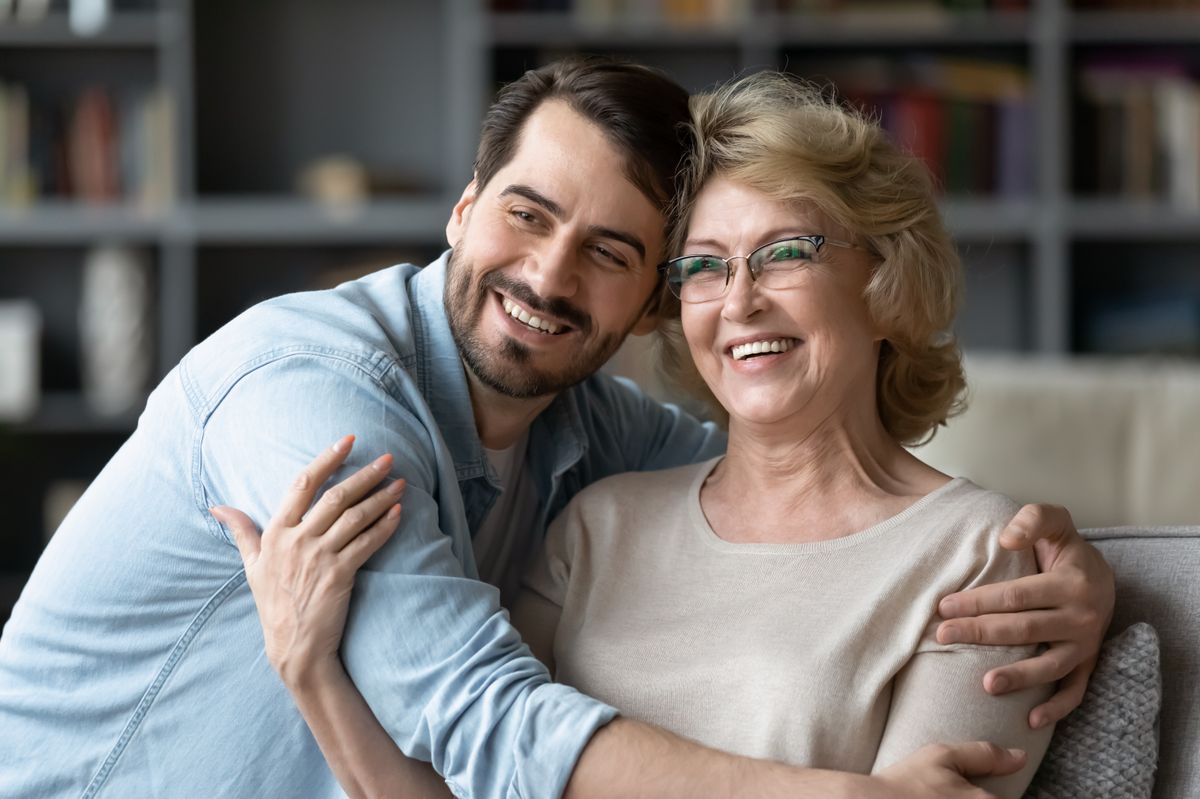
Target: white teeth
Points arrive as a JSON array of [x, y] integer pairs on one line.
[[743, 351], [521, 315]]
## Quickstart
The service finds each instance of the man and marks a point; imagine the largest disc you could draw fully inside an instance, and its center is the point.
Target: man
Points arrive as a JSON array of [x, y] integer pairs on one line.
[[133, 664]]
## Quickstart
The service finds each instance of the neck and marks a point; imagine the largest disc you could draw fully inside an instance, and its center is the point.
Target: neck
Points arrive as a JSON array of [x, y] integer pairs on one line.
[[811, 477], [812, 457], [501, 420]]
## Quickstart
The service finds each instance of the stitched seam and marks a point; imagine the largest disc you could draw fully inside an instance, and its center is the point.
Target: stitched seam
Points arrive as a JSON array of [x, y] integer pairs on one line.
[[168, 668], [380, 369]]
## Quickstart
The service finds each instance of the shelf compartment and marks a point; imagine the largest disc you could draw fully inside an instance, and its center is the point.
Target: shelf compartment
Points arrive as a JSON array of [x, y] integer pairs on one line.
[[848, 29], [284, 220], [125, 30], [67, 222], [1119, 218], [1134, 27]]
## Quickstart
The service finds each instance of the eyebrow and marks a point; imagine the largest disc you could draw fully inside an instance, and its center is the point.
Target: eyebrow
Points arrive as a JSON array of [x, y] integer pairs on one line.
[[534, 196], [556, 210]]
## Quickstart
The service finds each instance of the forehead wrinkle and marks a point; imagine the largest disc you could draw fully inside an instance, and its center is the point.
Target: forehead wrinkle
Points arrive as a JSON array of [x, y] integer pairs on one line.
[[769, 237]]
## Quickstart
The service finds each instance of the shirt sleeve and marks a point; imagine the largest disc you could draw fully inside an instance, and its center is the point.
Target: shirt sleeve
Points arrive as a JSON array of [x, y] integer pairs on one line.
[[938, 696], [430, 649], [653, 435]]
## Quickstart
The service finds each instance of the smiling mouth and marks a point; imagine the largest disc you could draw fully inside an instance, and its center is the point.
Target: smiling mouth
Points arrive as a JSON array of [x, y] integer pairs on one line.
[[530, 320], [753, 349]]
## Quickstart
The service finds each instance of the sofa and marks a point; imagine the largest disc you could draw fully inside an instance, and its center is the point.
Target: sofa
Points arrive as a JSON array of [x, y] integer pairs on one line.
[[1158, 582], [1118, 443]]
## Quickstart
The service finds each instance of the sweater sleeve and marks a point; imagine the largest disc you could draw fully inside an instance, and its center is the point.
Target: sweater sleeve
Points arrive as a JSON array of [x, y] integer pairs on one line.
[[938, 695], [938, 698]]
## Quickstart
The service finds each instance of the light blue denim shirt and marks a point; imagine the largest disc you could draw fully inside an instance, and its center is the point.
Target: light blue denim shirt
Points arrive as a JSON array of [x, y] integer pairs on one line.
[[133, 663]]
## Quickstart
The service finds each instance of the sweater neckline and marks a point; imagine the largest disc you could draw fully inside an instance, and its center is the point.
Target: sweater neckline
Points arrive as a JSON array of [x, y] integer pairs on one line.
[[709, 536]]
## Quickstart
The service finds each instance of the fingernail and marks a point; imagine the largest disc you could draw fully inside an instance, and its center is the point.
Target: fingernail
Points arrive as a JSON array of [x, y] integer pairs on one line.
[[1037, 722], [343, 446], [394, 512], [1017, 753], [397, 487], [381, 463], [948, 607], [1000, 685], [948, 635]]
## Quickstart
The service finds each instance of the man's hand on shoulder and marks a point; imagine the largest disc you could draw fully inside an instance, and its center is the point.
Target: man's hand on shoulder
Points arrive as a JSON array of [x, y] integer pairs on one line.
[[1067, 606]]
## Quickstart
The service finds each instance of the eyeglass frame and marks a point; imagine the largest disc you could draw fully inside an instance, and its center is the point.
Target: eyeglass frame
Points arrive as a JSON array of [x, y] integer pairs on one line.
[[816, 239]]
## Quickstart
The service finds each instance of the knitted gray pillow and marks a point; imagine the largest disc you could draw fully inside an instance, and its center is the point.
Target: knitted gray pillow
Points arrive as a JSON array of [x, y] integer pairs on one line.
[[1108, 747]]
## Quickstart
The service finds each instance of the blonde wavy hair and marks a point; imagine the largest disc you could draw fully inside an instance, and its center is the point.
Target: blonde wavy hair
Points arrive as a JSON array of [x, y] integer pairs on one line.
[[795, 144]]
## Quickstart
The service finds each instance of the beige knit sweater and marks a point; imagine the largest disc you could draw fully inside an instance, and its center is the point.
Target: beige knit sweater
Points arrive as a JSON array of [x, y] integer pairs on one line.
[[820, 654]]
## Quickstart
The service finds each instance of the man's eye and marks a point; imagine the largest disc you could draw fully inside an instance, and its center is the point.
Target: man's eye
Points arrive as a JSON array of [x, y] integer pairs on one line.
[[609, 255], [524, 216]]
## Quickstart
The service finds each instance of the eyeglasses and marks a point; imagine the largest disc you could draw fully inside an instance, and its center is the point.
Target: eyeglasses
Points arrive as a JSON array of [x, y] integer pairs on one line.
[[778, 265]]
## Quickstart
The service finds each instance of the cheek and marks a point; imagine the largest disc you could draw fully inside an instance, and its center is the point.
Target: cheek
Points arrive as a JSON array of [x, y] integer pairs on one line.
[[697, 330]]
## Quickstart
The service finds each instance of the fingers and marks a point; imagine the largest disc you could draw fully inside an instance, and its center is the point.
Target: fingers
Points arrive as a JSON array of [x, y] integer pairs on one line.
[[1007, 629], [356, 520], [342, 497], [300, 495], [1033, 523], [368, 542], [1059, 660], [245, 532], [1037, 591], [1069, 696], [983, 759]]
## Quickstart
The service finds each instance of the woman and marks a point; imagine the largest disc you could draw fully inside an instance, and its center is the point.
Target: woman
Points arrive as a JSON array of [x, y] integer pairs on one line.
[[814, 291]]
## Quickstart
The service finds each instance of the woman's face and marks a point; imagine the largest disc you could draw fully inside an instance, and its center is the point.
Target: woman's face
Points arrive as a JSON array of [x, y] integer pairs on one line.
[[830, 346]]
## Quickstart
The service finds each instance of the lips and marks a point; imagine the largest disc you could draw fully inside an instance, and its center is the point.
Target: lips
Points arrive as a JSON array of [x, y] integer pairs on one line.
[[764, 346], [531, 319]]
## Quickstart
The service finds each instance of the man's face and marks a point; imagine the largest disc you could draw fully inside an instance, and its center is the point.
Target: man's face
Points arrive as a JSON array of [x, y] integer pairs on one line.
[[554, 260]]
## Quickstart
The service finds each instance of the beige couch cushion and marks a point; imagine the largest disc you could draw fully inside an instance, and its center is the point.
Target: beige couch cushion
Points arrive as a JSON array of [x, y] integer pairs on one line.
[[1117, 442]]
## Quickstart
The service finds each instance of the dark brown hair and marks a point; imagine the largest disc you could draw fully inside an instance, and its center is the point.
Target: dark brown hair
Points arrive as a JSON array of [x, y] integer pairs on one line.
[[641, 111]]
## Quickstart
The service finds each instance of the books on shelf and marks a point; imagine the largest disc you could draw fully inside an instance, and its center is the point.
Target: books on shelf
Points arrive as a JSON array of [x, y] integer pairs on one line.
[[102, 146], [970, 121], [1139, 122], [1136, 5], [728, 12], [1140, 325]]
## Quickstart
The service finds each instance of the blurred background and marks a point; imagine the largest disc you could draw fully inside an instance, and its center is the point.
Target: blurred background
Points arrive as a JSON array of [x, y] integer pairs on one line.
[[165, 165]]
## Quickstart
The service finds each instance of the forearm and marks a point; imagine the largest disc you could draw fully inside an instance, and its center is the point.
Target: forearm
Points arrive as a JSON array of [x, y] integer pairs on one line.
[[358, 749], [632, 760]]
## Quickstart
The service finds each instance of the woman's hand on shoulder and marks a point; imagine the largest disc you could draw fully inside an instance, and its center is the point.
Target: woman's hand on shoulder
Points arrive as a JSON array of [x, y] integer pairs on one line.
[[301, 569], [1067, 607]]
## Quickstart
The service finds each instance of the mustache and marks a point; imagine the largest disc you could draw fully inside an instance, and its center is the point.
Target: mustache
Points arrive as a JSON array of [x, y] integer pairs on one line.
[[556, 307]]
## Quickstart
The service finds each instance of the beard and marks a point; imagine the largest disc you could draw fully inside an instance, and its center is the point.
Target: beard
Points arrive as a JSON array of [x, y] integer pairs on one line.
[[509, 368]]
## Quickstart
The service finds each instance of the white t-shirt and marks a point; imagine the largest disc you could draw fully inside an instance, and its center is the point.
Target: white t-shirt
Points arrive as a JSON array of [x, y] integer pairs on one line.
[[509, 521]]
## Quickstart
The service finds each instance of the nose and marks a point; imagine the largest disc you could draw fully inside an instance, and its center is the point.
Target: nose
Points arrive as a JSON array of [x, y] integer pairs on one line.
[[552, 270], [742, 298]]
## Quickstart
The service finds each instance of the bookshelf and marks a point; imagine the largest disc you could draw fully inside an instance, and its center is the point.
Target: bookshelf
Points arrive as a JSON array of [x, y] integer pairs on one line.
[[256, 92]]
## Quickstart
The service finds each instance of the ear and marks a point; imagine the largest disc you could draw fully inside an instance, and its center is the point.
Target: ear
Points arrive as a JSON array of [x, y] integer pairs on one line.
[[460, 214]]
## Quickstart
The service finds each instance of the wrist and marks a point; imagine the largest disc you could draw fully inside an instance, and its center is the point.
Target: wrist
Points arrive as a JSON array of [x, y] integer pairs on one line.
[[306, 674]]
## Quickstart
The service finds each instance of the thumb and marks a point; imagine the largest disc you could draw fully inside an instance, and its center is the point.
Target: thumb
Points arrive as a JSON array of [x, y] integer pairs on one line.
[[245, 531]]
